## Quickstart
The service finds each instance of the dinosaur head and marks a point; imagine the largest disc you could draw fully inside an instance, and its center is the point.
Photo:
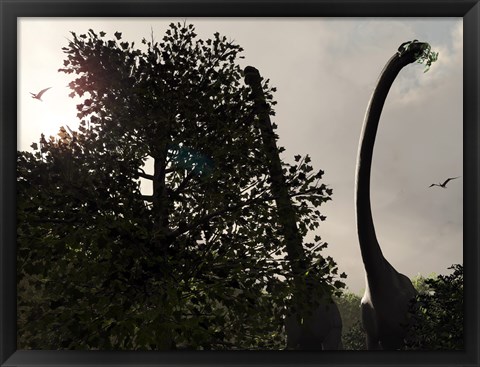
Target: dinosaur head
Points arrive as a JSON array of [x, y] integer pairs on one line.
[[413, 47], [252, 75], [416, 51]]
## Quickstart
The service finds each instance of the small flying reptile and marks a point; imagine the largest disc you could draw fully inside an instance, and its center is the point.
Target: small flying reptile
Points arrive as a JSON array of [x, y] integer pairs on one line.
[[39, 94], [444, 184]]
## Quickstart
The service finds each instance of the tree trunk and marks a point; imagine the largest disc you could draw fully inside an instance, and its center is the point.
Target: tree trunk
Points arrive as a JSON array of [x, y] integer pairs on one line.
[[161, 209]]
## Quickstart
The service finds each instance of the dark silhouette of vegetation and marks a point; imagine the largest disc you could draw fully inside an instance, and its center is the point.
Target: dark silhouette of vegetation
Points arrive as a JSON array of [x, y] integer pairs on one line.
[[349, 305], [353, 336], [201, 262], [437, 314]]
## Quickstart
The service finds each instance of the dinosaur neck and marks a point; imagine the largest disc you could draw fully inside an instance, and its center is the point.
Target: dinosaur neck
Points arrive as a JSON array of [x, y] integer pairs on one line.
[[371, 252]]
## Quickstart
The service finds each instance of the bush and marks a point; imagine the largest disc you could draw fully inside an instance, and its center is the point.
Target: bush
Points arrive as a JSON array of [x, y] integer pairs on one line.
[[437, 315], [353, 336]]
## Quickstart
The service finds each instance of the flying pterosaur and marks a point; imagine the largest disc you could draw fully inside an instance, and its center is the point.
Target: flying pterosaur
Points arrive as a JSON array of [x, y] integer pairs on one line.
[[39, 94], [444, 184]]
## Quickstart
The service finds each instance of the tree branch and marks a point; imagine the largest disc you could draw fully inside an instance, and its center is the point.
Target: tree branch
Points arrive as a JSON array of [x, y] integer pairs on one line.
[[229, 209], [188, 227], [182, 185], [56, 220], [144, 175], [148, 198]]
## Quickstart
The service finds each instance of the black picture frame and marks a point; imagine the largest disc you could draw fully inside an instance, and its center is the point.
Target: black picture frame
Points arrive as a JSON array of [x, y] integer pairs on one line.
[[10, 10]]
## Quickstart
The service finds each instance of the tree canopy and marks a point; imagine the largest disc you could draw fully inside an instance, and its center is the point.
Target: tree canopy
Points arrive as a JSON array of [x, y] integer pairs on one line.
[[200, 263]]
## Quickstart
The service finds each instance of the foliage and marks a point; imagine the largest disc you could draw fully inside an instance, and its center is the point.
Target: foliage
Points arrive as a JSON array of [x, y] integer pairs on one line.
[[424, 54], [198, 264], [353, 336], [349, 306], [421, 283], [437, 315]]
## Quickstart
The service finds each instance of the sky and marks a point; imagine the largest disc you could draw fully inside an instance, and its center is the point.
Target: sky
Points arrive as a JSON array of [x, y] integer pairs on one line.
[[325, 70]]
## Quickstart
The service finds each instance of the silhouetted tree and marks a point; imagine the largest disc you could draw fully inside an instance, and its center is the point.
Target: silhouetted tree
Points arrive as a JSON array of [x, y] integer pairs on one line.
[[198, 264]]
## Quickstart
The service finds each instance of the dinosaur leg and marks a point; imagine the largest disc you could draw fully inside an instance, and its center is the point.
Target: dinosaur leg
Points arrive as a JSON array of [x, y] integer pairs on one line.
[[369, 322], [372, 343], [333, 340]]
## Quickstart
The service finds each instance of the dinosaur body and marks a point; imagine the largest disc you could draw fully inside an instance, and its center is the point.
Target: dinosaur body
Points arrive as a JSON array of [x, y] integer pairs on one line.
[[322, 330], [388, 293], [39, 94], [444, 184]]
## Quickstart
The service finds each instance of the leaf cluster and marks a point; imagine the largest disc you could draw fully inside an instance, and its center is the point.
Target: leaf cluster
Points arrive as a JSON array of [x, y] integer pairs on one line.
[[200, 263]]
